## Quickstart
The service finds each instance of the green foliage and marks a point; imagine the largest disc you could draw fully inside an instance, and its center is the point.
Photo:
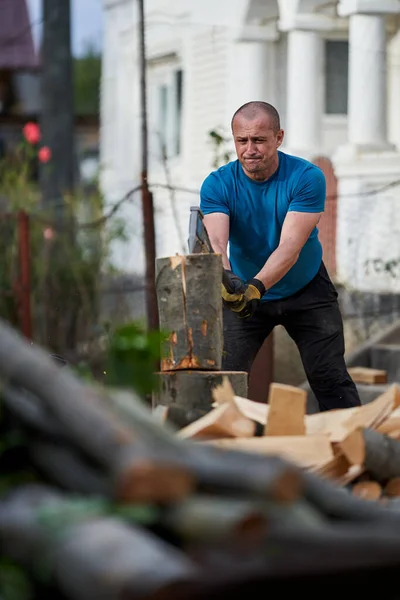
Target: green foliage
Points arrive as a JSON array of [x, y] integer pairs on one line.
[[133, 353], [67, 262], [220, 147], [87, 77]]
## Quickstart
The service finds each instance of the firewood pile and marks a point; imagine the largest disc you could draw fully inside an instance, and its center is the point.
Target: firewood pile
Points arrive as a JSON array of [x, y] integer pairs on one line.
[[102, 500], [357, 448]]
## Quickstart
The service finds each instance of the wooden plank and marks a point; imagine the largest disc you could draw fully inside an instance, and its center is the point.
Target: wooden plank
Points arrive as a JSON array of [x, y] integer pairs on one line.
[[193, 325], [256, 411], [368, 415], [367, 375], [303, 450], [225, 420], [287, 409]]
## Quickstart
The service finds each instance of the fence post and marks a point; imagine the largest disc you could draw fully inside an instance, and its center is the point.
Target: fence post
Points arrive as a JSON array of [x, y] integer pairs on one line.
[[24, 287]]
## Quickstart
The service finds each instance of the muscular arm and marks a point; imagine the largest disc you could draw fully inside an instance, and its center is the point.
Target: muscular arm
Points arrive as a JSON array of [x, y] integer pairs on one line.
[[295, 232], [217, 225]]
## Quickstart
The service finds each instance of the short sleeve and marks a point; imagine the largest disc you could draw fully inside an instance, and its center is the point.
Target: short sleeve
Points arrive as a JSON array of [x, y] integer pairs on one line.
[[213, 197], [310, 192]]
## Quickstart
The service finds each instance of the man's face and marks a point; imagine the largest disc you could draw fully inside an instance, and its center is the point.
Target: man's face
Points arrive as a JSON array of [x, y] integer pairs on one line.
[[256, 144]]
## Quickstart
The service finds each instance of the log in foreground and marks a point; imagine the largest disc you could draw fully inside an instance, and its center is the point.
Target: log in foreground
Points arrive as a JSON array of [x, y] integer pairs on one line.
[[190, 310], [90, 556], [192, 391]]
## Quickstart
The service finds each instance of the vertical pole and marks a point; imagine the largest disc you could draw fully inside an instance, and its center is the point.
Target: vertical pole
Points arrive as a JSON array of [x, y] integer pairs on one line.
[[24, 274], [147, 197], [57, 114]]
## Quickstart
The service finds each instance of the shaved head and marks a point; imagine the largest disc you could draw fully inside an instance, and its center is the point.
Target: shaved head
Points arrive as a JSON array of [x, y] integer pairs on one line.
[[253, 110], [257, 134]]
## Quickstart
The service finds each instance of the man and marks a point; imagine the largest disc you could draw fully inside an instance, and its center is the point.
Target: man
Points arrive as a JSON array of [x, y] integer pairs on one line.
[[267, 205]]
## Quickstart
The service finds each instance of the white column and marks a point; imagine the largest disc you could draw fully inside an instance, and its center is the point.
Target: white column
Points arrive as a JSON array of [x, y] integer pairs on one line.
[[248, 74], [367, 81], [304, 111], [367, 116]]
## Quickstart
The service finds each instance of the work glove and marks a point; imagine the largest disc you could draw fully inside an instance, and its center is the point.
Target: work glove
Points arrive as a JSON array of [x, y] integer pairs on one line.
[[250, 301], [232, 289]]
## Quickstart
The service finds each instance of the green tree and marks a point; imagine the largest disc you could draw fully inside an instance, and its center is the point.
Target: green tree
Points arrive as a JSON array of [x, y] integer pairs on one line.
[[87, 76]]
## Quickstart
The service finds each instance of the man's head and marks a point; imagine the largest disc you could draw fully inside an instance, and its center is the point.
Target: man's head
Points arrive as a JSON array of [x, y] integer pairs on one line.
[[257, 134]]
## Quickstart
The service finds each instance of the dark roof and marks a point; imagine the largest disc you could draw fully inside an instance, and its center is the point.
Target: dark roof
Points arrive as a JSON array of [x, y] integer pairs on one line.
[[17, 50]]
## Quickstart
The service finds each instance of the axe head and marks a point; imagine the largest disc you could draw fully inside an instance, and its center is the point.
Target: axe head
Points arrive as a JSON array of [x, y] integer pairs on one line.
[[198, 242]]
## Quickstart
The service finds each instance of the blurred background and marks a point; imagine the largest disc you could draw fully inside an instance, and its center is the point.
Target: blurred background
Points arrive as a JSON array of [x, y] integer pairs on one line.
[[132, 107]]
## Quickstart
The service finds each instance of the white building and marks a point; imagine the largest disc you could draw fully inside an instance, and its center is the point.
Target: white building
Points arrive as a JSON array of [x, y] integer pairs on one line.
[[332, 69]]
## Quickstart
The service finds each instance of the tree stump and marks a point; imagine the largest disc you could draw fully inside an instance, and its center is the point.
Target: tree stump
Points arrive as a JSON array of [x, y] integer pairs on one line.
[[188, 394], [190, 311]]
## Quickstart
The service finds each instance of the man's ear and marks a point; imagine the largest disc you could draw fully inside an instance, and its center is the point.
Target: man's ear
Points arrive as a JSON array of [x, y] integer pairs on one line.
[[279, 137]]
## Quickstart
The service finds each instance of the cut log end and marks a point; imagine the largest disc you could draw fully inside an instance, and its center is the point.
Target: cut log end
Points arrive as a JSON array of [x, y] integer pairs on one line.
[[369, 490], [392, 488], [147, 481]]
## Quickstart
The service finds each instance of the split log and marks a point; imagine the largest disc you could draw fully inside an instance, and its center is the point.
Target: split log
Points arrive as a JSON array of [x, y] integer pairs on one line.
[[226, 420], [371, 415], [192, 391], [378, 454], [287, 408], [190, 308], [305, 451]]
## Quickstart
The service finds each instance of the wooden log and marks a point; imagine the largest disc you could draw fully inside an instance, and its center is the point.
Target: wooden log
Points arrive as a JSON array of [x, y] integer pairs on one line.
[[392, 488], [190, 311], [378, 454], [305, 451], [369, 490], [192, 391], [210, 518], [287, 408], [65, 467], [368, 376], [146, 461], [224, 421], [89, 555]]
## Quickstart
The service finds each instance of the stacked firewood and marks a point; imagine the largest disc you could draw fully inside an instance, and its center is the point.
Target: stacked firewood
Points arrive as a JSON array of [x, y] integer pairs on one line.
[[358, 448], [101, 500]]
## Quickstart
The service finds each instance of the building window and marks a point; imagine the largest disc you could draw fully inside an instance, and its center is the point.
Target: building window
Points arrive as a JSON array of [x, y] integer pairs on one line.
[[336, 77], [167, 123]]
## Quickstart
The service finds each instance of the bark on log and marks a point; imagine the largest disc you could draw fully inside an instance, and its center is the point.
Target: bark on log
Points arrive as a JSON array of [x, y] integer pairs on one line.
[[190, 310], [146, 461], [192, 391], [64, 466], [377, 453], [90, 556]]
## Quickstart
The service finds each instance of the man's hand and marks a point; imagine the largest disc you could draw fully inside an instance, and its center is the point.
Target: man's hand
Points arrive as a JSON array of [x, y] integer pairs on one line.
[[242, 298], [232, 289]]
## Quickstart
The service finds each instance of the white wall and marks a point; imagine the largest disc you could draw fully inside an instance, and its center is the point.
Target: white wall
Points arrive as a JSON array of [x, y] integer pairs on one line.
[[220, 73]]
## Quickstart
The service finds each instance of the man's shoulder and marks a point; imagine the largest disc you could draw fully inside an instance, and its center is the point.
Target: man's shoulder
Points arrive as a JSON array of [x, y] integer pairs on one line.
[[223, 173], [298, 167]]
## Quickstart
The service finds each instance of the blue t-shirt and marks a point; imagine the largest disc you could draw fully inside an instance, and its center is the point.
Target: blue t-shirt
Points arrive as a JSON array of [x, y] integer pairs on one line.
[[257, 211]]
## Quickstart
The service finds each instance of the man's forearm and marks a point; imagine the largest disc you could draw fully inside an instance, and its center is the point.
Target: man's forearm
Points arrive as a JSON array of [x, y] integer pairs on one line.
[[277, 265], [225, 260]]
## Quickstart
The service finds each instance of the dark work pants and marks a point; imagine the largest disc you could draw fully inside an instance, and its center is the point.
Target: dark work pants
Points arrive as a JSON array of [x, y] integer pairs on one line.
[[312, 319]]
